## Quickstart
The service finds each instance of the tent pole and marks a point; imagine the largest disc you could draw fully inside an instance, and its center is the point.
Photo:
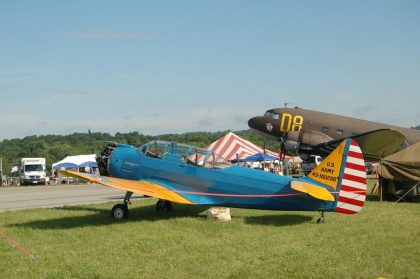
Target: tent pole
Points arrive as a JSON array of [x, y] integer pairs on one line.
[[407, 192]]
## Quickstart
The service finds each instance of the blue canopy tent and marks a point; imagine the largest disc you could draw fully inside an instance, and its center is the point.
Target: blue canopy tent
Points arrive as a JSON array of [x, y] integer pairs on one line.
[[79, 161], [259, 157], [65, 165]]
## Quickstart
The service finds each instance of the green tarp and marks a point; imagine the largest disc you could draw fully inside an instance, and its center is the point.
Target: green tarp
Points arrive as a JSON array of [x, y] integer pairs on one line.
[[403, 165]]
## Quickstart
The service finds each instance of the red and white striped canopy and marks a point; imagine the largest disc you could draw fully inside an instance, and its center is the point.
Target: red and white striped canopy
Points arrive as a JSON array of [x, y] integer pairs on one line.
[[231, 144]]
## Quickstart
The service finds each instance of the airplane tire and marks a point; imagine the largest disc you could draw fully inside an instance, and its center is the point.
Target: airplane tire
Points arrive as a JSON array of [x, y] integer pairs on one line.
[[163, 206], [120, 211]]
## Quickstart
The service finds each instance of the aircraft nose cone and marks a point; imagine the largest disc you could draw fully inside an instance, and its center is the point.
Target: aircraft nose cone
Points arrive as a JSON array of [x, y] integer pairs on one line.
[[256, 122], [252, 123]]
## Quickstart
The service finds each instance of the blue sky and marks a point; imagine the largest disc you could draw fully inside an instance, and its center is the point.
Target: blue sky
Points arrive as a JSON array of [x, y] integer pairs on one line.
[[176, 66]]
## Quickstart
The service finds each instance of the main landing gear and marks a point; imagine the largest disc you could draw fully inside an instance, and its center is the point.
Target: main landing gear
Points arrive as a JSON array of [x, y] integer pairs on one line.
[[321, 219], [163, 206], [120, 211]]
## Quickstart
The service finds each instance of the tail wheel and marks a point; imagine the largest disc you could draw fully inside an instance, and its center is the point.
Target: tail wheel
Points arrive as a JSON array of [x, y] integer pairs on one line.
[[120, 211], [163, 206]]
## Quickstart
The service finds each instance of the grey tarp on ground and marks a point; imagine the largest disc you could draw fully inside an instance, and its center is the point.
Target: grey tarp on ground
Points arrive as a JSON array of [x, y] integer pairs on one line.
[[403, 165]]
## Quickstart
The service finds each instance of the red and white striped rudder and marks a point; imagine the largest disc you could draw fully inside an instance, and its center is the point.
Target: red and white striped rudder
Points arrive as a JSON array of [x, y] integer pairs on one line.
[[352, 194]]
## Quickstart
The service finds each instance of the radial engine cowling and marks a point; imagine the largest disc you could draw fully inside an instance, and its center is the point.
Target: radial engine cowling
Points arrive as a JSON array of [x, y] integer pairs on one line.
[[103, 158]]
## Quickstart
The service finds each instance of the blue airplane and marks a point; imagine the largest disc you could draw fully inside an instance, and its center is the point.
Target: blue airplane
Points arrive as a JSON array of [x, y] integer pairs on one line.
[[179, 173]]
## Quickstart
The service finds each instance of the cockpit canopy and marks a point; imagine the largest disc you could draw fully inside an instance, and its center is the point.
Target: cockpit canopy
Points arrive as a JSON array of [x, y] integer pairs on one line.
[[189, 154], [271, 114]]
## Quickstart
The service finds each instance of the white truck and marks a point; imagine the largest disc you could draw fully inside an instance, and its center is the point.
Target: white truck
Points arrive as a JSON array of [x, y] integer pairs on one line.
[[32, 171], [310, 163]]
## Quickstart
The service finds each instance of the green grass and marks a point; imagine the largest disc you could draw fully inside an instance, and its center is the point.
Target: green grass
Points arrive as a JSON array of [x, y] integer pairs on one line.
[[84, 242]]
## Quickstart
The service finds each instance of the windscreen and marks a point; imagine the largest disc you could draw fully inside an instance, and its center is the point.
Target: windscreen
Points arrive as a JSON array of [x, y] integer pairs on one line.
[[215, 161], [33, 168]]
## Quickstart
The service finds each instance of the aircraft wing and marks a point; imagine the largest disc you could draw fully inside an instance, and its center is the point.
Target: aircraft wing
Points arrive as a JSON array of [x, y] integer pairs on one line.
[[142, 187], [374, 144]]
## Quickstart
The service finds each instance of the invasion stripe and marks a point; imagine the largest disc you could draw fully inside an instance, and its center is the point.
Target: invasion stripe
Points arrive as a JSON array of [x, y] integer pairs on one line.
[[356, 161], [355, 172], [349, 206], [353, 190], [353, 154], [351, 201], [356, 167], [353, 195], [355, 178]]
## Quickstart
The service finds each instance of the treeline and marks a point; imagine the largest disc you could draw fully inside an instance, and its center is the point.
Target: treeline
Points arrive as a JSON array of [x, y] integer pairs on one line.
[[54, 148]]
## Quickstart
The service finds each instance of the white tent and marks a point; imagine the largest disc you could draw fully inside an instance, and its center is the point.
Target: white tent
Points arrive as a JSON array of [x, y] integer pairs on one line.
[[77, 161]]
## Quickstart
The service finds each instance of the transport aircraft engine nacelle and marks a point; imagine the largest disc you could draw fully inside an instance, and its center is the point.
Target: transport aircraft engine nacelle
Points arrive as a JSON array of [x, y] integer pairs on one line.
[[293, 140], [291, 147], [312, 137], [291, 143]]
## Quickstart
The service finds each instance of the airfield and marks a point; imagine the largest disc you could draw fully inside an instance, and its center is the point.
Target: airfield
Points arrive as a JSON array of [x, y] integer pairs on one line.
[[25, 197], [73, 236]]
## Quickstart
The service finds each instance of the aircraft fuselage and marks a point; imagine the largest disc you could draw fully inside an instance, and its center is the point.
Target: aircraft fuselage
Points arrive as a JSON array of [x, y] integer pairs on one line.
[[310, 128], [233, 186]]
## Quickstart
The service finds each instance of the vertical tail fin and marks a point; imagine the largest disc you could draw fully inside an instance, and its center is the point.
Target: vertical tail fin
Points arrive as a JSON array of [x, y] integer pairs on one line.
[[344, 171]]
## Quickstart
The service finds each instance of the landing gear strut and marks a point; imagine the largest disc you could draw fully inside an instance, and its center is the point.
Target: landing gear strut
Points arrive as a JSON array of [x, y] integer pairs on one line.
[[120, 211], [163, 206], [321, 219]]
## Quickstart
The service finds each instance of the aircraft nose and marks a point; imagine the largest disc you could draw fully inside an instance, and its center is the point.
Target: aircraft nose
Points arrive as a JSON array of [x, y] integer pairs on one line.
[[256, 122]]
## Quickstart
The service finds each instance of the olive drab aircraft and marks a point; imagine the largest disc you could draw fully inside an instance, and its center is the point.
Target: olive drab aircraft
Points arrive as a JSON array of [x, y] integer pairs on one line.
[[305, 132], [183, 174]]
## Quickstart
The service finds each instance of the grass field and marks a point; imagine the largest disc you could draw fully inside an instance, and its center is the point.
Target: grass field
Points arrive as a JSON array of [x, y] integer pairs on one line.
[[84, 242]]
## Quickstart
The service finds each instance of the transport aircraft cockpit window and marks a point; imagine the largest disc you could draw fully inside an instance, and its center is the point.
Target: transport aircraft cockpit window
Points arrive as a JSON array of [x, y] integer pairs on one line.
[[272, 115], [268, 113]]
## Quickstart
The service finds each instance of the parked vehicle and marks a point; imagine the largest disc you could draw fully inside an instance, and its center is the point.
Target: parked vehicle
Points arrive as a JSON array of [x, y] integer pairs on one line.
[[310, 163], [369, 167], [32, 171]]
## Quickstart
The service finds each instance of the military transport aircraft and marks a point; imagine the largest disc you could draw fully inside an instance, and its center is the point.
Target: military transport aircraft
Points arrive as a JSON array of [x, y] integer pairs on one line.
[[174, 172], [304, 132]]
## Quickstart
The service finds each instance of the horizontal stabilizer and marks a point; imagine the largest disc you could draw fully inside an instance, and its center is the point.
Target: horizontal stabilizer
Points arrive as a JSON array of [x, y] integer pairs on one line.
[[312, 190]]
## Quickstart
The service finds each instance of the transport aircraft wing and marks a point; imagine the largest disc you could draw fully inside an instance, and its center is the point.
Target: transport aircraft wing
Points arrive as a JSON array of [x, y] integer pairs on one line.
[[375, 144]]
